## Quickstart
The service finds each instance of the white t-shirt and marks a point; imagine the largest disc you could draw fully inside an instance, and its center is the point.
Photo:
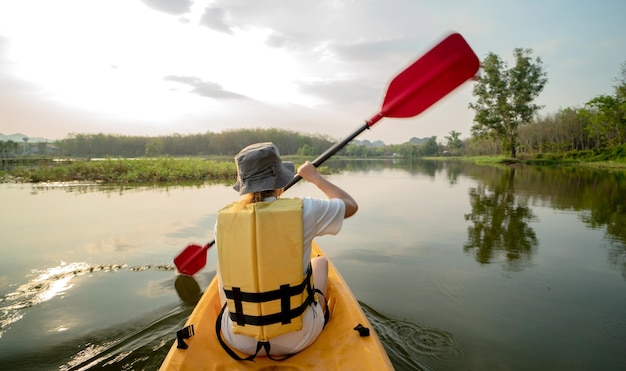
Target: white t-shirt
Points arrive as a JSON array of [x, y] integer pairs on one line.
[[320, 217]]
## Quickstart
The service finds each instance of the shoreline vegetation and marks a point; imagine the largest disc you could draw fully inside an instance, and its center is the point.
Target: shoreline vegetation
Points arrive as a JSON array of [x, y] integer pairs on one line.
[[222, 168], [608, 164], [127, 170], [198, 158]]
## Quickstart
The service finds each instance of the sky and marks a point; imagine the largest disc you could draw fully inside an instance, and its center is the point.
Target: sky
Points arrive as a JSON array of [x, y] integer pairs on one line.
[[160, 67]]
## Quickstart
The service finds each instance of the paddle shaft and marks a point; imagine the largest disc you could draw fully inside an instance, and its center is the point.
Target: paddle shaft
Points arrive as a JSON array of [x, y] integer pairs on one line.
[[337, 147]]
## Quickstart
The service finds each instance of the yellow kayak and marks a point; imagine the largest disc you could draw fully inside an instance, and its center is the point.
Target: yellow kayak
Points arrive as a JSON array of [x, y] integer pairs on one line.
[[339, 347]]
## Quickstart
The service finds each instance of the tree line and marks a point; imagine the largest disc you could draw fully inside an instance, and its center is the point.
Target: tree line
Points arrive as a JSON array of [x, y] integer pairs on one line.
[[226, 143], [505, 113]]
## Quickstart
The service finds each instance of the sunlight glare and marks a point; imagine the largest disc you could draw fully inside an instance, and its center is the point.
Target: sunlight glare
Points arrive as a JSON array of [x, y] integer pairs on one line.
[[100, 58]]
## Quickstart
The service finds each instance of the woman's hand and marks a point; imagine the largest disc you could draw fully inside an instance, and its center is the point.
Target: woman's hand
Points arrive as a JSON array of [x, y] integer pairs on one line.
[[309, 173]]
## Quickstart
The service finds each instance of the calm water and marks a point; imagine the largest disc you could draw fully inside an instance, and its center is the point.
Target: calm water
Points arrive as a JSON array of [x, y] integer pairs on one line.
[[459, 267]]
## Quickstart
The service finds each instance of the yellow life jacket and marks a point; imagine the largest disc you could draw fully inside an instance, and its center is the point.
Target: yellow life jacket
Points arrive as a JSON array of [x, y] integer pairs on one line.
[[260, 253]]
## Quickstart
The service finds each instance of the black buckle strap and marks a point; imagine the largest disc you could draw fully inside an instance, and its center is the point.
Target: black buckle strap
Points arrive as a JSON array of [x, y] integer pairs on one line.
[[182, 334], [238, 299], [260, 344], [218, 331], [284, 294], [262, 297], [285, 304], [269, 319]]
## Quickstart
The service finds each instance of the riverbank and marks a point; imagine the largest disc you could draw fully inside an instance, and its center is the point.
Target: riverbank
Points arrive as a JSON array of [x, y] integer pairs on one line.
[[608, 159], [113, 170], [611, 159], [507, 161], [127, 171], [222, 168]]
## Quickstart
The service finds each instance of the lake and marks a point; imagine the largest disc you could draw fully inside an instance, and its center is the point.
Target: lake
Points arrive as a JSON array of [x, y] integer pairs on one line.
[[457, 266]]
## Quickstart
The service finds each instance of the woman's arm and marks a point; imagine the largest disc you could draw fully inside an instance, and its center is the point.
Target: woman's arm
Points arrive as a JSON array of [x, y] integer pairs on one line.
[[309, 173]]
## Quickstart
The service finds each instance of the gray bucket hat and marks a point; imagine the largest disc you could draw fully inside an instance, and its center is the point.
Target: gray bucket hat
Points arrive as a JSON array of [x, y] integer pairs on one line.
[[259, 168]]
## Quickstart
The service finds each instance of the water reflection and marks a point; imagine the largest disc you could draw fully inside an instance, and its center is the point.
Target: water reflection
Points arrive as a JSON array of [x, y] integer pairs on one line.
[[119, 189], [501, 208], [501, 204], [500, 223], [52, 282], [188, 289], [414, 167]]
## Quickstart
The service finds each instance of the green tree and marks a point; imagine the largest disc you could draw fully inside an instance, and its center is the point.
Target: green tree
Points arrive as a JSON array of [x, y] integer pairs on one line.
[[306, 150], [454, 142], [620, 96], [606, 120], [43, 148], [505, 96], [4, 149], [154, 147], [430, 148]]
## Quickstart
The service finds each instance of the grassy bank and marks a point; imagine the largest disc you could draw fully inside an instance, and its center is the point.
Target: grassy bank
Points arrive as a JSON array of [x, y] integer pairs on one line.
[[130, 171], [610, 159], [168, 169], [126, 171], [507, 161]]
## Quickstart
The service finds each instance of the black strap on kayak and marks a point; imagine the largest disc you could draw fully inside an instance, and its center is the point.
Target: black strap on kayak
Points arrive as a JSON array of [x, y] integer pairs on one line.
[[260, 344], [182, 334], [362, 330]]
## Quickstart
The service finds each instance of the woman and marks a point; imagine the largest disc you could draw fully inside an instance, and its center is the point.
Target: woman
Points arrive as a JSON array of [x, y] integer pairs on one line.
[[269, 299]]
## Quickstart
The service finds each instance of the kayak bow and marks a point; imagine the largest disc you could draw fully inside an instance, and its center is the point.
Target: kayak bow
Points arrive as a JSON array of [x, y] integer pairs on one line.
[[344, 344]]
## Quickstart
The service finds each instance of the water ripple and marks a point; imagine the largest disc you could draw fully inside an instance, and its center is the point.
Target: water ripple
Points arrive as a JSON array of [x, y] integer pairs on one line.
[[411, 346], [135, 345]]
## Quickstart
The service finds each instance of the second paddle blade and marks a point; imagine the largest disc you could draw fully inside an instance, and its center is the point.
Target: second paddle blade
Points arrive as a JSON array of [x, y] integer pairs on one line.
[[191, 260]]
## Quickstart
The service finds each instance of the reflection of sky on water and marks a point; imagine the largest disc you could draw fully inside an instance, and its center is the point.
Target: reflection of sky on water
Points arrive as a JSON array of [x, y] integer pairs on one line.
[[57, 281], [45, 286], [54, 225]]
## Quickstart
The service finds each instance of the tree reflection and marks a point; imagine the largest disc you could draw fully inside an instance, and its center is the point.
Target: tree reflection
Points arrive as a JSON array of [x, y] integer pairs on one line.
[[607, 207], [500, 224]]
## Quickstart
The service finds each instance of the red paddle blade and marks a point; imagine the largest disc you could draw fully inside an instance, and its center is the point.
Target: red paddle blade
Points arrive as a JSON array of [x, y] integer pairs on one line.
[[442, 69], [191, 260]]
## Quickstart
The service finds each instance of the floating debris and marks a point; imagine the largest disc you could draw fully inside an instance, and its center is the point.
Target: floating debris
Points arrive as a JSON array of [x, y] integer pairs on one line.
[[152, 267]]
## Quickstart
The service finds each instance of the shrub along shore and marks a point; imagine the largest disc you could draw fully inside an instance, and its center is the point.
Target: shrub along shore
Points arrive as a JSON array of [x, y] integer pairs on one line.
[[614, 165], [127, 171], [190, 169], [110, 170]]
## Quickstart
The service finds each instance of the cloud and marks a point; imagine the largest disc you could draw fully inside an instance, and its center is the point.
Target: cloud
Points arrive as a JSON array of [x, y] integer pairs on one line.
[[330, 40], [215, 19], [5, 63], [295, 24], [205, 88], [174, 7], [342, 92], [375, 49]]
